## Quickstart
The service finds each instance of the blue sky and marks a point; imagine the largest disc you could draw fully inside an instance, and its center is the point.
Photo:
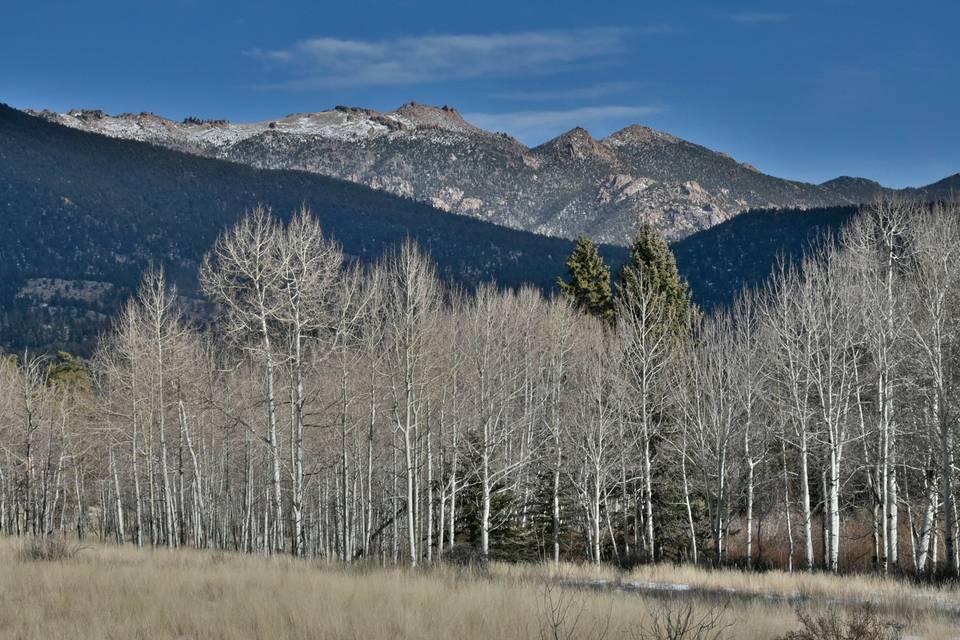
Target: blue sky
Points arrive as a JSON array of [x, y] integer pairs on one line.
[[806, 90]]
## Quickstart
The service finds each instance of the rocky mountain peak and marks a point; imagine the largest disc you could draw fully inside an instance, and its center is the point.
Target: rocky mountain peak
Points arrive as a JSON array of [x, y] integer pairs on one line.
[[575, 144], [424, 115], [84, 114], [639, 134], [362, 111], [200, 122], [145, 116], [570, 185]]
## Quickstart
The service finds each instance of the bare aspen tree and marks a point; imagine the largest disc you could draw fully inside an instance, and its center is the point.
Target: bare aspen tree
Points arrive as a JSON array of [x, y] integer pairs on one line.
[[491, 351], [306, 304], [876, 240], [711, 407], [454, 375], [834, 334], [792, 354], [935, 330], [345, 333], [749, 364], [193, 362], [371, 335], [561, 327], [412, 300], [243, 274], [647, 347], [28, 412], [161, 318], [593, 434], [120, 361]]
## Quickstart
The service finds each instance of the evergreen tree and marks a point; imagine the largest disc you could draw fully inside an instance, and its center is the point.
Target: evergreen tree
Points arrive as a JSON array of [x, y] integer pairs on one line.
[[68, 372], [653, 267], [589, 286]]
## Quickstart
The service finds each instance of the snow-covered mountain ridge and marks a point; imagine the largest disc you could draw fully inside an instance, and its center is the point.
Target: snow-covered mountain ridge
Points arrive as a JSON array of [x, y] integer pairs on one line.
[[570, 185]]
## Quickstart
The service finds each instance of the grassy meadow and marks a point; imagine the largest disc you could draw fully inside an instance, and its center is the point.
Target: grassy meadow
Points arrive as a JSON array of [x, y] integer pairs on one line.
[[121, 592]]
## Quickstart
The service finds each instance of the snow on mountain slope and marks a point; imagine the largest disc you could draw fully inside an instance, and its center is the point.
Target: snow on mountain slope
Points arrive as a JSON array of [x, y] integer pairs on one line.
[[570, 185]]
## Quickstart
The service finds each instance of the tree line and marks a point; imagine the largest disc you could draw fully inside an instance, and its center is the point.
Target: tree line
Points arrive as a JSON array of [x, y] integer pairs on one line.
[[372, 413]]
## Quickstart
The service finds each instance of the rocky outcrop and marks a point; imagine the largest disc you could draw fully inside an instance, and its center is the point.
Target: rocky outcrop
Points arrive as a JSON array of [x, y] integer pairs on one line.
[[570, 185]]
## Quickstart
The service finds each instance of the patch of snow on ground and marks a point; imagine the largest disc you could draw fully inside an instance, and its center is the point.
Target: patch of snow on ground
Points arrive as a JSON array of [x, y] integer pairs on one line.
[[327, 125], [210, 135]]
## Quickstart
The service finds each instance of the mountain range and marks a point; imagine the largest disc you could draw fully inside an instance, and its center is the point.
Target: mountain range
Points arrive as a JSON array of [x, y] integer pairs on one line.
[[571, 185], [83, 215], [89, 201]]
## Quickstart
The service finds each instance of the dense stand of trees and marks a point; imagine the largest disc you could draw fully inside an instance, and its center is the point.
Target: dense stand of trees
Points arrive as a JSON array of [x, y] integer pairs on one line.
[[359, 413]]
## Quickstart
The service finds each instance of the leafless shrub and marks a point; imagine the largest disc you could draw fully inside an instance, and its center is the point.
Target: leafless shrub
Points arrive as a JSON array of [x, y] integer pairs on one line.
[[676, 620], [50, 549], [561, 616], [863, 624]]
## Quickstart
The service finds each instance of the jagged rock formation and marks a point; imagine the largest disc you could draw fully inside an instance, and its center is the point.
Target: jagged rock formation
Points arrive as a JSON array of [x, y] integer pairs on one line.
[[570, 185]]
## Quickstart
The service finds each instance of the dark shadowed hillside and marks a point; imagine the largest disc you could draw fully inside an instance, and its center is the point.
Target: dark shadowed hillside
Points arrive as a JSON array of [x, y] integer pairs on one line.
[[720, 261], [82, 215]]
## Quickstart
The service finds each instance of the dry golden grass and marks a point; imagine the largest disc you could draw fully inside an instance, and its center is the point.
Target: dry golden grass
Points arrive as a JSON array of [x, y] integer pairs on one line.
[[110, 592], [899, 596]]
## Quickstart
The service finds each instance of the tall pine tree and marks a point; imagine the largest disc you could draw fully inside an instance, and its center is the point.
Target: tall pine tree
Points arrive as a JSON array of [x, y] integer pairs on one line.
[[653, 267], [589, 287]]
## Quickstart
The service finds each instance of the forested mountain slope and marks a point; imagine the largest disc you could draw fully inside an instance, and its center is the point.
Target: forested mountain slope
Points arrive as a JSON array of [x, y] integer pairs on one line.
[[82, 215], [719, 262], [570, 185]]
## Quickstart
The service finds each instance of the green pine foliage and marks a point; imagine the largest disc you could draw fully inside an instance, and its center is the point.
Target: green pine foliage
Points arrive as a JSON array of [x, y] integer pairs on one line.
[[540, 517], [671, 526], [589, 285], [67, 372], [652, 267], [510, 540]]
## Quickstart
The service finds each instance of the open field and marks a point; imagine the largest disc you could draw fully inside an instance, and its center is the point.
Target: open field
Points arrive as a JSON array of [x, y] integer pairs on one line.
[[897, 598], [111, 592]]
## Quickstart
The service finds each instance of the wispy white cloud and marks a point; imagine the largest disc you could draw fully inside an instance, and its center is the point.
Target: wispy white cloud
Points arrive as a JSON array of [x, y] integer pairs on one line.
[[758, 17], [324, 62], [601, 90], [535, 126]]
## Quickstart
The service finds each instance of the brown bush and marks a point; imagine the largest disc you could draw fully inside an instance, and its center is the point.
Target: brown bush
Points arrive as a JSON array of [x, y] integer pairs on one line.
[[862, 624], [47, 548], [563, 616], [682, 620]]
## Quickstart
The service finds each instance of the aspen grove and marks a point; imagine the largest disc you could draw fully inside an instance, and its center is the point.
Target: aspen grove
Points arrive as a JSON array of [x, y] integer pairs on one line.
[[373, 413]]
